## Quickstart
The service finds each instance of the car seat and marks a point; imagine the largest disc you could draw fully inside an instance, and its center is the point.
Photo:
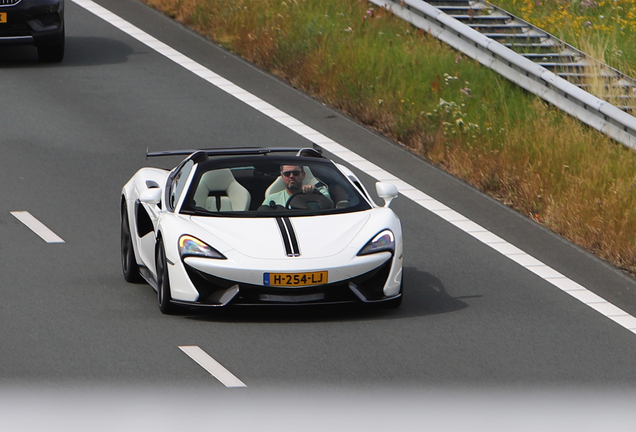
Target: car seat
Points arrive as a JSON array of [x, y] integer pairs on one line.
[[218, 190]]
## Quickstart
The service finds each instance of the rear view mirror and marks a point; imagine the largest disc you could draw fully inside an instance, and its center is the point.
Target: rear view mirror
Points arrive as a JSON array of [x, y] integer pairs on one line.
[[151, 196], [387, 191]]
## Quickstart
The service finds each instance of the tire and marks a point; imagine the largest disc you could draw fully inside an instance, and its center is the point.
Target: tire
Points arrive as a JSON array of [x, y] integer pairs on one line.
[[53, 53], [129, 265], [163, 282]]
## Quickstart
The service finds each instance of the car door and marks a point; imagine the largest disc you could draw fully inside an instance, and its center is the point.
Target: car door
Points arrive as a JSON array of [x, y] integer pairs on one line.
[[174, 189]]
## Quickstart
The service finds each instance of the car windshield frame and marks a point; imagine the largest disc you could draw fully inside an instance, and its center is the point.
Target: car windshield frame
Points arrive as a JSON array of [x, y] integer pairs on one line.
[[258, 173]]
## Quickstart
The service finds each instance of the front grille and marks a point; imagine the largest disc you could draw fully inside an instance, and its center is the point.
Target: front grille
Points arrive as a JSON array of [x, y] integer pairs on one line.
[[256, 294], [209, 285], [9, 2]]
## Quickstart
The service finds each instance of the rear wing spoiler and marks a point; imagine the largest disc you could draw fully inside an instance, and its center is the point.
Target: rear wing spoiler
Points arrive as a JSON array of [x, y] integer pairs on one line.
[[315, 151]]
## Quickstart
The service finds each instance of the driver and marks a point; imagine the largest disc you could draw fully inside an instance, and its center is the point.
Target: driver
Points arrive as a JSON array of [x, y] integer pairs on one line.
[[293, 176]]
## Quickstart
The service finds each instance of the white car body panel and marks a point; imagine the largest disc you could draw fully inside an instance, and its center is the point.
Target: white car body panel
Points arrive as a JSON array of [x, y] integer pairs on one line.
[[260, 237], [147, 251]]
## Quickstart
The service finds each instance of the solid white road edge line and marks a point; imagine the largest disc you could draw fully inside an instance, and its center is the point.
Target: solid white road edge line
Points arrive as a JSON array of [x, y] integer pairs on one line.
[[547, 273], [37, 227], [212, 366]]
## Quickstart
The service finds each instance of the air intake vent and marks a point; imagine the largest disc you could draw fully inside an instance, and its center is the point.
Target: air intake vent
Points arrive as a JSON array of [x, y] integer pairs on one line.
[[9, 2]]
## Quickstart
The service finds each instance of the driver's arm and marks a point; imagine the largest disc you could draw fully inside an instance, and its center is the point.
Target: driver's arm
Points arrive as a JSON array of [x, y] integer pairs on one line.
[[320, 187]]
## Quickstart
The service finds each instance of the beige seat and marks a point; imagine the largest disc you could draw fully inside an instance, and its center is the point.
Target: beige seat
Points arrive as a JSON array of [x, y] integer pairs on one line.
[[218, 190]]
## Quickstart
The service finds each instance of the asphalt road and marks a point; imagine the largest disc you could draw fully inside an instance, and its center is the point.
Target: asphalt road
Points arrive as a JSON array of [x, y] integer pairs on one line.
[[474, 328]]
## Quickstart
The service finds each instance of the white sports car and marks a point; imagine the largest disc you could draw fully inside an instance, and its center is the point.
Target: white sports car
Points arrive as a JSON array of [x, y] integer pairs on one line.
[[256, 226]]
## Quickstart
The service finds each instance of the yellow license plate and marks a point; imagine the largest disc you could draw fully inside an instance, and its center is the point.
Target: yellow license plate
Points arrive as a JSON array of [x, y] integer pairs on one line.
[[295, 279], [3, 17]]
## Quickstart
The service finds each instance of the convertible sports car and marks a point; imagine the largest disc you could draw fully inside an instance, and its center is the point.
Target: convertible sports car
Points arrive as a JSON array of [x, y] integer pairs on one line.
[[222, 228]]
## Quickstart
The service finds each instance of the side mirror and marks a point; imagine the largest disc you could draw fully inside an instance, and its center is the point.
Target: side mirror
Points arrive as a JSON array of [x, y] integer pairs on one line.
[[387, 191], [151, 196]]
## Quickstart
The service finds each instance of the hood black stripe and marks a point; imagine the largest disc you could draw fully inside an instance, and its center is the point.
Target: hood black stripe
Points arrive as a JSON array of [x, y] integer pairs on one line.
[[292, 236], [283, 231], [289, 237]]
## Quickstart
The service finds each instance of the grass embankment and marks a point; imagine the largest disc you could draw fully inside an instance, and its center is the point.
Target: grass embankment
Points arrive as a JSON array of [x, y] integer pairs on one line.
[[445, 107], [605, 30]]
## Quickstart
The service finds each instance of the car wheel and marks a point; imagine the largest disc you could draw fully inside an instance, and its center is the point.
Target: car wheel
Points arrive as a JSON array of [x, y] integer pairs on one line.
[[52, 53], [163, 281], [128, 261]]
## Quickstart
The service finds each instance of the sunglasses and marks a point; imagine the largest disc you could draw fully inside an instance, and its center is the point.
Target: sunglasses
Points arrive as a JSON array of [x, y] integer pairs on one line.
[[295, 173]]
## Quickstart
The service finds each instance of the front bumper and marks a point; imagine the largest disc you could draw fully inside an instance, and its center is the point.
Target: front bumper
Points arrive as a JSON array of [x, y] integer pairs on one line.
[[364, 288], [33, 22]]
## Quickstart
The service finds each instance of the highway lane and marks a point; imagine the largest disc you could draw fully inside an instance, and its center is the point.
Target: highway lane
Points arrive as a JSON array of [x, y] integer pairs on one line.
[[77, 131]]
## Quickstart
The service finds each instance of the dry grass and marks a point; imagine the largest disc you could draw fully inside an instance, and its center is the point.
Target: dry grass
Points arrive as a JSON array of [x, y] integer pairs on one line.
[[601, 82], [596, 22], [450, 110]]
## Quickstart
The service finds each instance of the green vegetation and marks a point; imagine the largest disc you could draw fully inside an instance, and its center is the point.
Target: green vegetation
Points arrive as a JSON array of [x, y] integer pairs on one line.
[[606, 27], [446, 108]]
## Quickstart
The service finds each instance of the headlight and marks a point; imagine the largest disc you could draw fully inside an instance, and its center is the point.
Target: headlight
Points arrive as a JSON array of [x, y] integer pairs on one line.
[[191, 246], [384, 241]]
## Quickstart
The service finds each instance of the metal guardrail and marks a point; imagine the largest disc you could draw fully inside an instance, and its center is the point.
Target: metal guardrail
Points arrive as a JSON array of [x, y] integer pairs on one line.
[[530, 75], [545, 49]]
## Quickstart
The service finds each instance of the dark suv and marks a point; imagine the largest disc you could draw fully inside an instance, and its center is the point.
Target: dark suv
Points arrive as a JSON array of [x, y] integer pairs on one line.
[[34, 22]]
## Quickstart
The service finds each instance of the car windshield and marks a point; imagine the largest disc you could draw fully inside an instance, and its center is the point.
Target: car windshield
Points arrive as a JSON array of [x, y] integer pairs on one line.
[[266, 186]]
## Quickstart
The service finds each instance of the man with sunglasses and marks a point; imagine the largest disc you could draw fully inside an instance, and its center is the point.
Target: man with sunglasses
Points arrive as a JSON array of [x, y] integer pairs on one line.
[[293, 177]]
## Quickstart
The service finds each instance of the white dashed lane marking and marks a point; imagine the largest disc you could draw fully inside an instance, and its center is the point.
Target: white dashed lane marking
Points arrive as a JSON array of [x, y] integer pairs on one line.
[[212, 366], [37, 227], [525, 260]]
